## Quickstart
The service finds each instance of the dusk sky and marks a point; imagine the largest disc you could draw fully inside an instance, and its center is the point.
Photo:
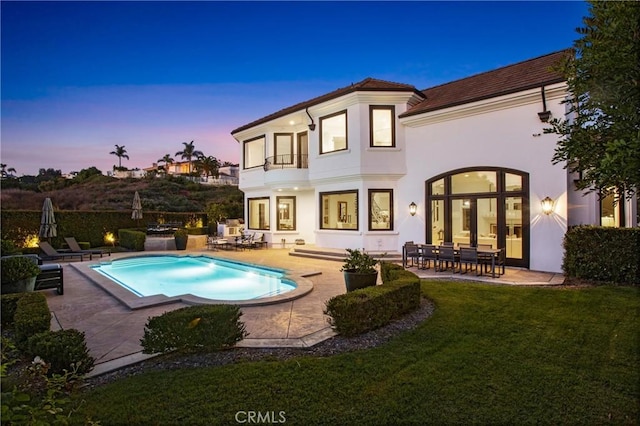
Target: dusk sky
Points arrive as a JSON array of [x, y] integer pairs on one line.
[[80, 77]]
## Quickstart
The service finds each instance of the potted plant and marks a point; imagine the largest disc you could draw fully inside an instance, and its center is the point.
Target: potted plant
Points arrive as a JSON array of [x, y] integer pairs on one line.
[[18, 274], [181, 236], [359, 270]]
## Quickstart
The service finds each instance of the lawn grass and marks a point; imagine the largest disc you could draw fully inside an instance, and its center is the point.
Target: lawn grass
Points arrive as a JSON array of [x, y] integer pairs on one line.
[[489, 354]]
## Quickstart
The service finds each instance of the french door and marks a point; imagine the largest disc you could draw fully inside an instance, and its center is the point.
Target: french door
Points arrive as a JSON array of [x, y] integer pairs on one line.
[[487, 206]]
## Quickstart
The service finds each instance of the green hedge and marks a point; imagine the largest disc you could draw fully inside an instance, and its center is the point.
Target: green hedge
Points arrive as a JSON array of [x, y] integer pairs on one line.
[[31, 317], [63, 350], [131, 239], [9, 305], [602, 254], [89, 226], [363, 310], [194, 328]]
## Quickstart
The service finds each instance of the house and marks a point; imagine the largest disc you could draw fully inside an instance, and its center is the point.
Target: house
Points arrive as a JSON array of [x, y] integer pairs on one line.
[[375, 164], [227, 174]]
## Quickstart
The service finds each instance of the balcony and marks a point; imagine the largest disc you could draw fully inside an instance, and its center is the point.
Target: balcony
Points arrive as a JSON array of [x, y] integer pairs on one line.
[[287, 161], [286, 171]]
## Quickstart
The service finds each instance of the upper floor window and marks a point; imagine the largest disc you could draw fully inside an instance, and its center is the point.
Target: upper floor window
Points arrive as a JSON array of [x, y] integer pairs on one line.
[[333, 132], [253, 152], [283, 148], [382, 126]]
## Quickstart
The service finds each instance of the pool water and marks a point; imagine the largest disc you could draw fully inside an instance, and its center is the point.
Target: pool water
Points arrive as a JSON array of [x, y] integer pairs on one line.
[[200, 276]]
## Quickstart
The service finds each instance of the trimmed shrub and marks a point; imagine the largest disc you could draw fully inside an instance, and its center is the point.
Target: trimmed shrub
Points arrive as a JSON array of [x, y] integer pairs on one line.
[[194, 328], [364, 310], [32, 316], [15, 268], [602, 254], [63, 350], [132, 240], [9, 306]]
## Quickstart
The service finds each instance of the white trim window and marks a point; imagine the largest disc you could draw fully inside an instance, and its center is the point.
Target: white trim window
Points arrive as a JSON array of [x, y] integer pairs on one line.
[[382, 126], [333, 132], [258, 212], [253, 152]]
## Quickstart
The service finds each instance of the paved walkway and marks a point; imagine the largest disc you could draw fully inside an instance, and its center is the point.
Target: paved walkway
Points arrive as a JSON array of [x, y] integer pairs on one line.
[[113, 331]]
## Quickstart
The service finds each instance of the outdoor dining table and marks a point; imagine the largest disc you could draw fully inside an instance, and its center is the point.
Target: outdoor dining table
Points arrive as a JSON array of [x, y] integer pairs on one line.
[[483, 252]]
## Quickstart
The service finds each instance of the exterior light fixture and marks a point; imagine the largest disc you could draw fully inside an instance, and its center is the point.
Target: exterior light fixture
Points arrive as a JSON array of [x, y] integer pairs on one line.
[[547, 205], [413, 208]]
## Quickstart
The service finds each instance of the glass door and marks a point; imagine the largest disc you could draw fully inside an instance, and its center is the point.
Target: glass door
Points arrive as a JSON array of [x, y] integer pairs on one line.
[[303, 150], [474, 221], [481, 206]]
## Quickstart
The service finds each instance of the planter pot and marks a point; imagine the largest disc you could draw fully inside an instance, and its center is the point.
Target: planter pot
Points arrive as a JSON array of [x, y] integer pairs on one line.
[[19, 286], [181, 242], [356, 280]]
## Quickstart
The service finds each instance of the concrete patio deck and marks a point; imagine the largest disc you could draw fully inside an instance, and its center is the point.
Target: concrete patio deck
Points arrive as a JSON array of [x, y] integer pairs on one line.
[[113, 331]]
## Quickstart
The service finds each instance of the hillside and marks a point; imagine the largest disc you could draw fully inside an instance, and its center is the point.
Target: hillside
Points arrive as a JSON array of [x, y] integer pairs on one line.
[[162, 194]]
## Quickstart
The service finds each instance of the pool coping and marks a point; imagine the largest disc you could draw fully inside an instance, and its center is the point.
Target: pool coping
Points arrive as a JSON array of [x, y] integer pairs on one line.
[[303, 286]]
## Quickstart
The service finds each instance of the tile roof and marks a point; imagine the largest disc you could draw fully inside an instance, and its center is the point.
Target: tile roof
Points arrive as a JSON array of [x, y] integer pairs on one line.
[[367, 85], [524, 75]]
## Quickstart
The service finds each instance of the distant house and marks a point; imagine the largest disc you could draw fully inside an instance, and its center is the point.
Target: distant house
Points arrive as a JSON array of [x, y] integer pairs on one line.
[[375, 164], [129, 173], [227, 175]]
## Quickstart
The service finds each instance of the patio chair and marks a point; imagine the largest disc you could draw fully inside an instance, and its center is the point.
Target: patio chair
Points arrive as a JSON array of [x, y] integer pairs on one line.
[[258, 240], [75, 247], [52, 254], [469, 256], [429, 254], [446, 256], [411, 252]]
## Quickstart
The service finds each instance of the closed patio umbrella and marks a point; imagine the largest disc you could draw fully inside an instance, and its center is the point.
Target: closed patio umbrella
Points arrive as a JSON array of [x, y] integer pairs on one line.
[[137, 207], [48, 227]]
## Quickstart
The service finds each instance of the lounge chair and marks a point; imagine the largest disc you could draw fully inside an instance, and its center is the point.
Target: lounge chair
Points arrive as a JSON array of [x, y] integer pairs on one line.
[[75, 247], [52, 254]]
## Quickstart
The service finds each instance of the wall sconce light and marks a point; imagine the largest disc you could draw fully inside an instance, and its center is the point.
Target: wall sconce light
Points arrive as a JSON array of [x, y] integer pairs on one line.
[[547, 205], [413, 208], [312, 126]]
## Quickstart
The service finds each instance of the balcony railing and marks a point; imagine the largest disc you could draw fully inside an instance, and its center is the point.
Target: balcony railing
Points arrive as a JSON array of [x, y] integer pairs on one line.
[[287, 161]]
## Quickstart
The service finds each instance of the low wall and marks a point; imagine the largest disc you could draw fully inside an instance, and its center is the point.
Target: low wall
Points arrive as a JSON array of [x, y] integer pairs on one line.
[[195, 242]]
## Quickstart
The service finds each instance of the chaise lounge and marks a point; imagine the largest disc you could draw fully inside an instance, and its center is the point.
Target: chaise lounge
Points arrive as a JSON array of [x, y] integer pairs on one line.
[[52, 254], [75, 247]]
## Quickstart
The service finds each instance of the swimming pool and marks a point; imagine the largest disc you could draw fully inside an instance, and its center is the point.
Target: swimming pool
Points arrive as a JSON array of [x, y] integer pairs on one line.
[[198, 279]]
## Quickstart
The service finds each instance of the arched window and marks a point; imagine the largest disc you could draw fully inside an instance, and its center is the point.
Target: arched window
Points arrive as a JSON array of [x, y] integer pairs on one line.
[[481, 206]]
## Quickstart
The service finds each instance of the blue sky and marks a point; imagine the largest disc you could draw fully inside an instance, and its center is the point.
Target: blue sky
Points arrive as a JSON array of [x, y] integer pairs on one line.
[[80, 77]]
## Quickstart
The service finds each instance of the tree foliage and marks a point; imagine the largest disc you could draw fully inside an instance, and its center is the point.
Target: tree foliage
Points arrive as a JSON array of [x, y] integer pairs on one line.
[[601, 139]]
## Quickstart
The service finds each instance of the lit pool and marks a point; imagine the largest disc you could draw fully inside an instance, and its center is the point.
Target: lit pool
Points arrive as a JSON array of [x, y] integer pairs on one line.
[[200, 276]]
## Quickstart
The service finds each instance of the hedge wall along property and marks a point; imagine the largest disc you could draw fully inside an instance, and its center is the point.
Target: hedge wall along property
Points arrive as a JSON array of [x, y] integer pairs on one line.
[[89, 226], [608, 255]]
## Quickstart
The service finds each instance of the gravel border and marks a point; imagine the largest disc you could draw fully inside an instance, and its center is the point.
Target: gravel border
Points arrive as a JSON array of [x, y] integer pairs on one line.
[[333, 346]]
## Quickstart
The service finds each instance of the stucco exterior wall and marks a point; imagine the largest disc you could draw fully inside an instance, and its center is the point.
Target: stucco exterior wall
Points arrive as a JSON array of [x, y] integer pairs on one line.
[[490, 135]]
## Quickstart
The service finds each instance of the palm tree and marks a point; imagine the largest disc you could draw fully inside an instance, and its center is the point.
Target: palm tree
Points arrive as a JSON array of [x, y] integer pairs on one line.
[[120, 152], [209, 165], [166, 160], [4, 171], [189, 152]]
